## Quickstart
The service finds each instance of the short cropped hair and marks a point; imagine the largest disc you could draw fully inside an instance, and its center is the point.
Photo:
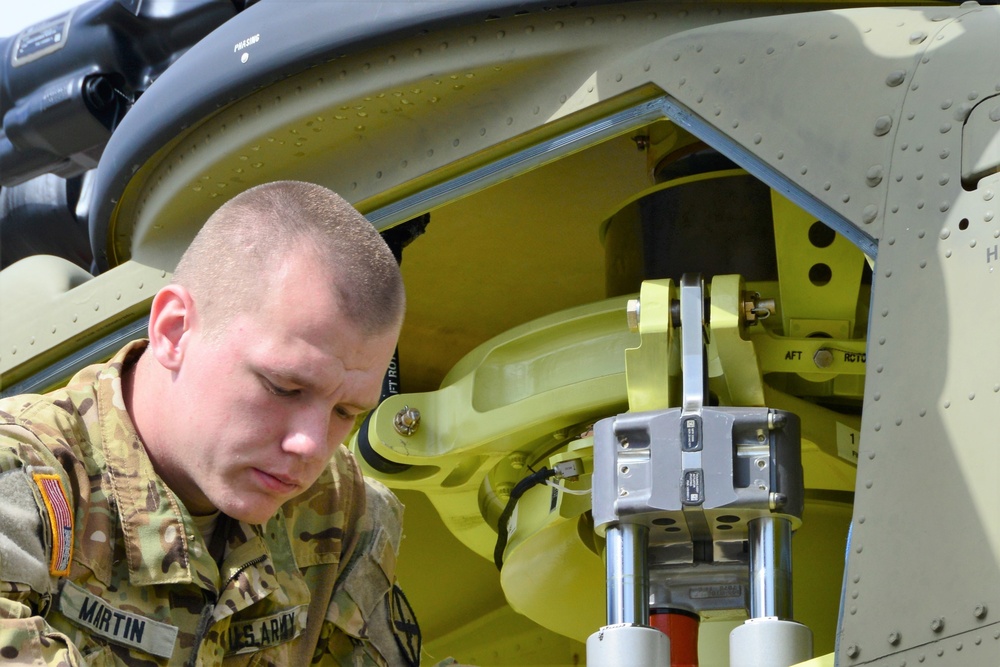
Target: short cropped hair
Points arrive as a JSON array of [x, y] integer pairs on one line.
[[232, 257]]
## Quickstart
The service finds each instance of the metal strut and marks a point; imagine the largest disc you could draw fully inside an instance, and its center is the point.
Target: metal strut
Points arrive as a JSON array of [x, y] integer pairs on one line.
[[698, 496]]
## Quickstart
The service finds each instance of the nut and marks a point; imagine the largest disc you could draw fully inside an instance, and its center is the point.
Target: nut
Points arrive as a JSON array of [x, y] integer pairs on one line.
[[406, 421]]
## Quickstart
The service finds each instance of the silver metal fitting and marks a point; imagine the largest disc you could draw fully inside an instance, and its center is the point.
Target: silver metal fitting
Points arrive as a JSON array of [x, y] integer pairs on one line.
[[632, 314], [755, 308], [406, 421]]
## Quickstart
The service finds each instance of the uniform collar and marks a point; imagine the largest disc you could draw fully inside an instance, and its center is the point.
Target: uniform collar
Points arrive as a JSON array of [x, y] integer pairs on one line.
[[162, 543]]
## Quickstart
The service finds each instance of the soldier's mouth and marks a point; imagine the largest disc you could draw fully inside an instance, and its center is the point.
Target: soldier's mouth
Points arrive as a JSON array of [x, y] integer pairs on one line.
[[275, 483]]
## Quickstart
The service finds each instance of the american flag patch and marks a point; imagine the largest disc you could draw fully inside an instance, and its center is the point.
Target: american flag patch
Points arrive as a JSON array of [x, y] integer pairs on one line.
[[60, 521]]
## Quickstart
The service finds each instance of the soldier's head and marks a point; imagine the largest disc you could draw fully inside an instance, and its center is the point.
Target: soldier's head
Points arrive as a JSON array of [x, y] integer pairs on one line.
[[233, 257], [273, 336]]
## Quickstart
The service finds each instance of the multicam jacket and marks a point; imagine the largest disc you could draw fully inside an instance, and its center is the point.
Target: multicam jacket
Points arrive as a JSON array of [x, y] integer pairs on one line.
[[101, 564]]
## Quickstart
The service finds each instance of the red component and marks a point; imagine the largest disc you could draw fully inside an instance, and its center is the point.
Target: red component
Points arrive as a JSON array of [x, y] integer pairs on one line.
[[682, 628]]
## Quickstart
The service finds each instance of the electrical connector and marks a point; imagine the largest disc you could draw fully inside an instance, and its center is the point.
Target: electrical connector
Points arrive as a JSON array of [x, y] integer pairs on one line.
[[570, 470]]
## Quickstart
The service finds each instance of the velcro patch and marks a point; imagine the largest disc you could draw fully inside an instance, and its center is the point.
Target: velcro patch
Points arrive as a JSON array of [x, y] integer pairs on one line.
[[60, 522], [403, 622], [256, 634], [99, 618]]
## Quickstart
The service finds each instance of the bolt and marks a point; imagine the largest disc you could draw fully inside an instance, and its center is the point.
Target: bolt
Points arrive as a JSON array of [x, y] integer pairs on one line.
[[980, 611], [853, 651], [937, 625], [776, 420], [894, 638], [641, 142], [632, 314], [517, 460], [777, 500], [823, 358], [406, 421], [504, 491]]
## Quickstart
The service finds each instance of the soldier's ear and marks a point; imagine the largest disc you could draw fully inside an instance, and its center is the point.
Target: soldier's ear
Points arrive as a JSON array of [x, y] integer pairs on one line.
[[171, 318]]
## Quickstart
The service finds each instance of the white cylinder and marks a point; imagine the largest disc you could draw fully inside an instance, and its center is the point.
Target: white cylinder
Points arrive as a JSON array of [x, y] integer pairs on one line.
[[769, 642], [628, 646]]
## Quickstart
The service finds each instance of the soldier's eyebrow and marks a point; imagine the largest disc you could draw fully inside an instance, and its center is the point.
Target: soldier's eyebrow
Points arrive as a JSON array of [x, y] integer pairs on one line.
[[303, 382]]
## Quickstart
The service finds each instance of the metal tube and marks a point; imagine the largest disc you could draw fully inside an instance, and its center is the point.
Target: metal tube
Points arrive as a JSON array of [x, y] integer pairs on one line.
[[770, 541], [628, 575]]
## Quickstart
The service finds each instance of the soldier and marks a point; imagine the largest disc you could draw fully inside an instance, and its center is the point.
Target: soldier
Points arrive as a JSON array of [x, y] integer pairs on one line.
[[190, 501]]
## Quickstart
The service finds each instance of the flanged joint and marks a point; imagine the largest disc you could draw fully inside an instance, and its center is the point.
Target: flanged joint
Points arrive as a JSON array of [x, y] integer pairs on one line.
[[406, 421]]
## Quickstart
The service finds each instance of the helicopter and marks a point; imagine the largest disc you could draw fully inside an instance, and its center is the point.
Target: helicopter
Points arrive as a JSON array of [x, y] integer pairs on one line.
[[699, 360]]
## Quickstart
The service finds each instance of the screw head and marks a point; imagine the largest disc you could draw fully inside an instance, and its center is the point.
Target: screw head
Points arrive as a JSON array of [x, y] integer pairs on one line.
[[823, 358]]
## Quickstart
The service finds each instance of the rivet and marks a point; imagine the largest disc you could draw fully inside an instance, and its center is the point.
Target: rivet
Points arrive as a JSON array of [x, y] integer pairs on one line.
[[917, 37], [945, 233], [882, 125], [869, 214], [874, 175], [895, 78], [757, 138], [945, 128]]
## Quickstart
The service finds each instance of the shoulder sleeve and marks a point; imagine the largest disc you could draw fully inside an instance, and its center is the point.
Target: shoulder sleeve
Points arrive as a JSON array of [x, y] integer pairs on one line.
[[36, 541], [367, 604], [38, 513]]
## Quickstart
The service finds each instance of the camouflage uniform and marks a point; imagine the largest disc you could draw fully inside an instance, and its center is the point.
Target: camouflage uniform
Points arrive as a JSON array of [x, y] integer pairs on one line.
[[101, 564]]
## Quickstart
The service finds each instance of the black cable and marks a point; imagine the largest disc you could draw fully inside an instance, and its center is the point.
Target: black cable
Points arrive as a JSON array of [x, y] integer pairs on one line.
[[531, 480]]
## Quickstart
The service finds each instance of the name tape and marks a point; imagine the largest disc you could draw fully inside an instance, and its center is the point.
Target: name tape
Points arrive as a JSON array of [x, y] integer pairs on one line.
[[95, 615]]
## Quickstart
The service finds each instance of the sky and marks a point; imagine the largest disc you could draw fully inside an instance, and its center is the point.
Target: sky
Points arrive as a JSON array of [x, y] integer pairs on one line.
[[19, 14]]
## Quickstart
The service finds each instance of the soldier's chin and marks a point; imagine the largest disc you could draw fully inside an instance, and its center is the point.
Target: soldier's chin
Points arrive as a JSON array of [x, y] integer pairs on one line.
[[253, 511]]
